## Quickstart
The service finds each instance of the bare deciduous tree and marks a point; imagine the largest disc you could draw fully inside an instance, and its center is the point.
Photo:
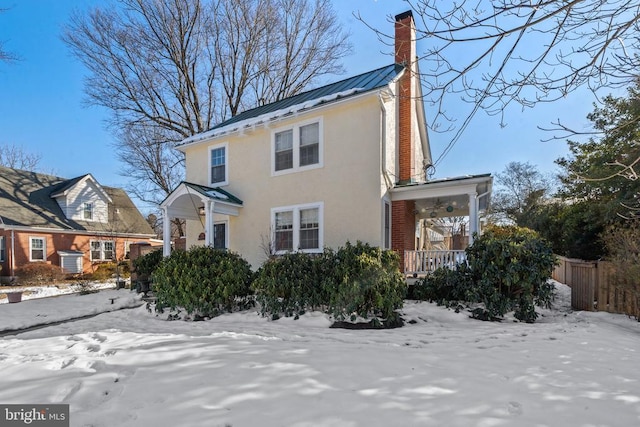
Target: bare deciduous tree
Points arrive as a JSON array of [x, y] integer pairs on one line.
[[169, 69], [15, 157], [5, 56], [520, 188], [493, 53]]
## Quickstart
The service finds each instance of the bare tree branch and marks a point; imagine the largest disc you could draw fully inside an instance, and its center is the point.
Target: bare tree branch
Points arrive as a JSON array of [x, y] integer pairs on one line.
[[15, 157], [169, 69], [495, 53]]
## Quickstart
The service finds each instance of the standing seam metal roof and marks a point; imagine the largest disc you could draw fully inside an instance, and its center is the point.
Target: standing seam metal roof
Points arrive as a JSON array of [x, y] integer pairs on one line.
[[364, 82]]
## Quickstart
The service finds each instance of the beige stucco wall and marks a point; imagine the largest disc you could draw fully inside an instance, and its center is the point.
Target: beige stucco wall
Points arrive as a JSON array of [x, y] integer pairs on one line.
[[349, 184]]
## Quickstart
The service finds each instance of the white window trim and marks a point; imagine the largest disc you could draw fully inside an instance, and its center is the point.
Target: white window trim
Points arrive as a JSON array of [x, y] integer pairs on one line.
[[296, 147], [386, 234], [224, 145], [93, 211], [226, 234], [296, 226], [102, 258], [44, 249]]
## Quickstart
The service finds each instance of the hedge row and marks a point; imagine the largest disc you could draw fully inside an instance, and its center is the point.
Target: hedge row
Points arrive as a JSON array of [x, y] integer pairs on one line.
[[354, 281], [507, 270]]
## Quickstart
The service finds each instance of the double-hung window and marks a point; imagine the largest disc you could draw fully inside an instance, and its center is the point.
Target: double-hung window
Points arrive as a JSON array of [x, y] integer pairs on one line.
[[37, 249], [284, 150], [218, 160], [102, 250], [297, 228], [297, 148], [310, 144], [87, 212]]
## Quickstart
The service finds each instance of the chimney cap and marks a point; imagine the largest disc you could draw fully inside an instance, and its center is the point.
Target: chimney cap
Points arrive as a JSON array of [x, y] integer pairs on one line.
[[404, 15]]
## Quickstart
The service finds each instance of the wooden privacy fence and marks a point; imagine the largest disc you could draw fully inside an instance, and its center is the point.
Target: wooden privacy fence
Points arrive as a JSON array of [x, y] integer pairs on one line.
[[594, 287]]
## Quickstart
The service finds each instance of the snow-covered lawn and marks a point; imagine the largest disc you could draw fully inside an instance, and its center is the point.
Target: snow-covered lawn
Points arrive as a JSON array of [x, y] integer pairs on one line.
[[131, 368]]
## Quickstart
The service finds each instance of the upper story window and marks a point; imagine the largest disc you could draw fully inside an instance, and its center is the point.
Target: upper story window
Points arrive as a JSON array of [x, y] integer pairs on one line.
[[218, 171], [297, 148], [37, 249], [297, 228], [87, 211]]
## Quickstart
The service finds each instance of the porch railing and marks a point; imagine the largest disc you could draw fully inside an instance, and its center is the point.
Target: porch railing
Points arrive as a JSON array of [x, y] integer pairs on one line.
[[423, 262]]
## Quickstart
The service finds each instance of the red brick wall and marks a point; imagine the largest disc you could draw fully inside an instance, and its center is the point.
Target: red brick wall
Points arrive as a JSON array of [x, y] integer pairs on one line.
[[55, 242], [403, 54], [403, 227]]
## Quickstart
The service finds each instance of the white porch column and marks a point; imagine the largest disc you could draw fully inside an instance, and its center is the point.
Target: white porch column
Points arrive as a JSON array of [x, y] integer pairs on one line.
[[474, 221], [166, 232], [208, 222]]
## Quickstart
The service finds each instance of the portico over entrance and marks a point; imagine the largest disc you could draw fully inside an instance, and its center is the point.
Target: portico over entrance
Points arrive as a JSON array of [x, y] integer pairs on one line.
[[200, 203]]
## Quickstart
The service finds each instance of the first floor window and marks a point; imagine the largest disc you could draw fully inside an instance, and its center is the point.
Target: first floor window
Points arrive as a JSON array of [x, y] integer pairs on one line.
[[220, 235], [284, 231], [102, 250], [3, 253], [37, 249], [309, 228], [298, 228]]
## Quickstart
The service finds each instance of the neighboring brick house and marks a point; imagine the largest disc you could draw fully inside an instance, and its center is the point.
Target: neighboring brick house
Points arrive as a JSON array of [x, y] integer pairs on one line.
[[72, 223], [345, 161]]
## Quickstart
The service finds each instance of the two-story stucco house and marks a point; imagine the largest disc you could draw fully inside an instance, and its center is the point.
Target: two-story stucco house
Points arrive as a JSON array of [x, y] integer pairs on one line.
[[75, 224], [346, 161]]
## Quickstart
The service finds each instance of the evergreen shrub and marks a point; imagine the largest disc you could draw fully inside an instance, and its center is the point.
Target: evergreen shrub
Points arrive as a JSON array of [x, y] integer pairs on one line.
[[362, 281], [512, 266], [508, 270], [146, 264], [354, 281], [203, 281], [288, 285]]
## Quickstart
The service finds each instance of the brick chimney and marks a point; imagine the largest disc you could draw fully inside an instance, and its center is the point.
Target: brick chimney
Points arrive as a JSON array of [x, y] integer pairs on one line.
[[402, 211], [405, 53]]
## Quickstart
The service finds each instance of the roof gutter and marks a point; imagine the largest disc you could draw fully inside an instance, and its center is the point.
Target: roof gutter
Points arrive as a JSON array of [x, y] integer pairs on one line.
[[239, 127]]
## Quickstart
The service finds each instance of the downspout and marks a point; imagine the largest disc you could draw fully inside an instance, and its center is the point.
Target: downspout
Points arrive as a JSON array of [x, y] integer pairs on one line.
[[383, 138], [13, 252]]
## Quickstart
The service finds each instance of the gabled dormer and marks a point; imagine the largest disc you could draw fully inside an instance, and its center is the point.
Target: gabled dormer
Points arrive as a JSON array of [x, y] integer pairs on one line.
[[83, 199]]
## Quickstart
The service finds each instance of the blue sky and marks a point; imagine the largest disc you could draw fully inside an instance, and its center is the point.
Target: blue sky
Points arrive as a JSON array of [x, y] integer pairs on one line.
[[42, 109]]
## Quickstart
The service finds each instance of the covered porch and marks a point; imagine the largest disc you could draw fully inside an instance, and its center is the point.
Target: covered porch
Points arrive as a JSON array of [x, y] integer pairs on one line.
[[434, 222], [197, 202]]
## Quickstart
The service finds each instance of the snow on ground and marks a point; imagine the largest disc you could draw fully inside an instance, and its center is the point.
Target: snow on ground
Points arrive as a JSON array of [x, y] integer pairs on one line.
[[133, 368]]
